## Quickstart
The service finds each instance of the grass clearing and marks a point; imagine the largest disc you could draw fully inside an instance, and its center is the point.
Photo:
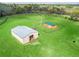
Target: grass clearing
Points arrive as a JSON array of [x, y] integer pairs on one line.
[[49, 43]]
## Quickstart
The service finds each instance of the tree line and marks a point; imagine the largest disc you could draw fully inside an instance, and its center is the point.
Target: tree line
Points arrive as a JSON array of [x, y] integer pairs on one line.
[[11, 9]]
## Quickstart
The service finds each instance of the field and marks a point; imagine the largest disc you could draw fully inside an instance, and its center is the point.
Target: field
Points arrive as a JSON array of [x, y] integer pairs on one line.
[[51, 42]]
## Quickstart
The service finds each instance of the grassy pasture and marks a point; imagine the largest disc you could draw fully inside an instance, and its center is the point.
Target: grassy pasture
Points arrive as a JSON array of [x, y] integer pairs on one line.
[[57, 42]]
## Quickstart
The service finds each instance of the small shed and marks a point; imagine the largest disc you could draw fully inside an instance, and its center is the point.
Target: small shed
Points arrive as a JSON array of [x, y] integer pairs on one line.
[[24, 34], [50, 25]]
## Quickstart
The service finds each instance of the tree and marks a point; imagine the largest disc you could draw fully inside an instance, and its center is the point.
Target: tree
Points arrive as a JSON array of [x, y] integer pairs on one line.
[[28, 8], [35, 8]]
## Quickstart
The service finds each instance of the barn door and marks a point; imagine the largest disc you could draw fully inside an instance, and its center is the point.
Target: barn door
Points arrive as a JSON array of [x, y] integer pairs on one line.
[[31, 38]]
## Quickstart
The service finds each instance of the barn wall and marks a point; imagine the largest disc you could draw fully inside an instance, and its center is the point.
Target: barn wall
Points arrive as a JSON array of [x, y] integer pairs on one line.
[[35, 35], [17, 37], [26, 39]]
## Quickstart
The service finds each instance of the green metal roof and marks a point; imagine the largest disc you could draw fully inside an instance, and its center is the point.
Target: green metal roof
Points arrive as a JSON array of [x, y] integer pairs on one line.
[[50, 23]]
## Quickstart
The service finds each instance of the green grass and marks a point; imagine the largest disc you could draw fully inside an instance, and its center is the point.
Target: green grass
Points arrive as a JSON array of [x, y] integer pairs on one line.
[[57, 42]]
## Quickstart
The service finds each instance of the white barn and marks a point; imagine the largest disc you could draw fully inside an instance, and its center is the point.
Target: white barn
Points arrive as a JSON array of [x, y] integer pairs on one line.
[[24, 34]]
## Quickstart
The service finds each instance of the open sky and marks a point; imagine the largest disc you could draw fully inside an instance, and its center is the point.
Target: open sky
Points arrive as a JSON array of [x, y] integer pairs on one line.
[[43, 1]]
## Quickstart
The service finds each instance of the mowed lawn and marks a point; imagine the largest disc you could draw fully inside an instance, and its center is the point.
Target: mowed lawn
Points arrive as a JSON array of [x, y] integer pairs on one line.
[[51, 42]]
